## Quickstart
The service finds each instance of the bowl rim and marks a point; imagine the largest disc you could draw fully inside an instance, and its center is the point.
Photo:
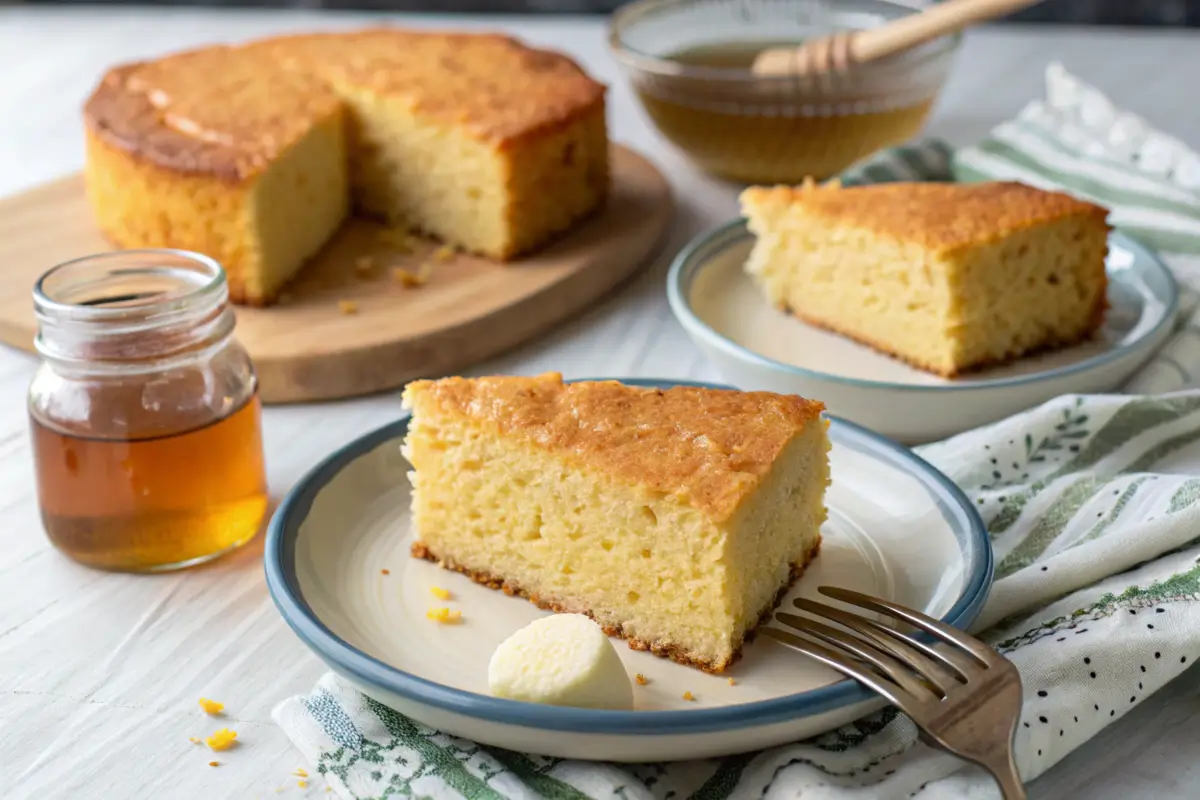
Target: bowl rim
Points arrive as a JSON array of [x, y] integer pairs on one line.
[[664, 67], [279, 560], [697, 254]]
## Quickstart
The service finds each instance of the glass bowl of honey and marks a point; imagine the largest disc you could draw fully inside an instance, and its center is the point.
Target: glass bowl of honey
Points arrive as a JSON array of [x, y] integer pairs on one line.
[[689, 62]]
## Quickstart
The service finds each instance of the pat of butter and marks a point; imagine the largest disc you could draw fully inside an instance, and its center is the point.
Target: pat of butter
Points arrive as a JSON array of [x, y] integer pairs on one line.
[[561, 660]]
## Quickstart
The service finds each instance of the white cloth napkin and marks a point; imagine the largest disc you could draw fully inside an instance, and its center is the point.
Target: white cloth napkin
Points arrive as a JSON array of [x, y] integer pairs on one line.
[[1093, 516]]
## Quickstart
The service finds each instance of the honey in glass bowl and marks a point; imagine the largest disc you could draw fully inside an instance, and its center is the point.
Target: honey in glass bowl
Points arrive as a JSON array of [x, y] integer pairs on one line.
[[689, 61], [145, 420]]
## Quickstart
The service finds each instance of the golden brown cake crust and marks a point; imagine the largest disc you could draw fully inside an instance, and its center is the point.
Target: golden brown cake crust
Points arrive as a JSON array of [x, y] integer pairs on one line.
[[662, 650], [706, 447], [223, 112], [228, 111], [939, 217], [493, 86]]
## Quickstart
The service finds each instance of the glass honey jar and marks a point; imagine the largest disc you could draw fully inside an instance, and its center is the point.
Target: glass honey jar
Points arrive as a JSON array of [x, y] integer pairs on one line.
[[146, 424]]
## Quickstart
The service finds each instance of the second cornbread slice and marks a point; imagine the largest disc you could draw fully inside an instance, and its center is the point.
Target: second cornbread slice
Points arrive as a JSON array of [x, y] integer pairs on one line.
[[948, 277]]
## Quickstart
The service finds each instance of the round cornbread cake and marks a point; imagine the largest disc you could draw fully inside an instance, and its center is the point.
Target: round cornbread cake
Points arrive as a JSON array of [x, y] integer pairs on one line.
[[255, 154]]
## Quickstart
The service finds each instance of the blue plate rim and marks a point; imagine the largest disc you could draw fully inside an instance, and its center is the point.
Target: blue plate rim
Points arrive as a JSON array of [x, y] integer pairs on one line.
[[283, 586], [688, 263]]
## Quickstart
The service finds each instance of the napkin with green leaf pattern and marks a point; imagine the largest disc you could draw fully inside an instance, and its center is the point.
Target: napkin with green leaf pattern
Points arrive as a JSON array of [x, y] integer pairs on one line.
[[1092, 510]]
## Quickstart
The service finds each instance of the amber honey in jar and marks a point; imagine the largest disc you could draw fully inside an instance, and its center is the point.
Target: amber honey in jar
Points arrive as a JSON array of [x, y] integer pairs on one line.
[[145, 421]]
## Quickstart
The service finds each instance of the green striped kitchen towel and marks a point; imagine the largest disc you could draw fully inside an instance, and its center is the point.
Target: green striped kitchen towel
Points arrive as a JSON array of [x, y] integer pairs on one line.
[[1094, 519]]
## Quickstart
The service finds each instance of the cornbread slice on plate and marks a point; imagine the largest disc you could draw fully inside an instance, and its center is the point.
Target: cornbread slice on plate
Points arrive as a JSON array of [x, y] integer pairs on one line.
[[254, 154], [676, 518], [948, 277]]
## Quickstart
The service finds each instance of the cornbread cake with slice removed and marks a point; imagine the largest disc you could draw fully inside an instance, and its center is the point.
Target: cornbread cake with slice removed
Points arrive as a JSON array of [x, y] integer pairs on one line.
[[948, 277], [676, 518], [254, 154]]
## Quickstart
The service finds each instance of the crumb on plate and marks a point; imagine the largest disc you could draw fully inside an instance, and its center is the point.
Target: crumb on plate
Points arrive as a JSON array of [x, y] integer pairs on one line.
[[443, 615], [211, 707], [732, 682], [347, 306], [439, 592], [406, 277], [194, 740], [302, 784], [214, 763], [299, 772], [385, 571], [640, 679], [221, 740], [689, 696]]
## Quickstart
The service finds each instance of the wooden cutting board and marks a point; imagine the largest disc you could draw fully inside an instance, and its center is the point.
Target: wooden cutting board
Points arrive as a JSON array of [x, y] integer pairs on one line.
[[309, 348]]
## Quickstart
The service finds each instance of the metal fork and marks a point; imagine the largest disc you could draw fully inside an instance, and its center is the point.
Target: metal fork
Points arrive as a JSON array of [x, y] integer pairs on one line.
[[964, 696]]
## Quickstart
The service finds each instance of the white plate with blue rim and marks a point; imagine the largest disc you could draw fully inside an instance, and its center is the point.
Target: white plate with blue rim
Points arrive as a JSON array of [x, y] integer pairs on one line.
[[757, 347], [897, 528]]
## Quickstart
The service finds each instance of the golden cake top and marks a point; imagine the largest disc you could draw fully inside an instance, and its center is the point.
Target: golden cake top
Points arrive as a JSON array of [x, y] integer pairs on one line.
[[493, 86], [707, 447], [229, 110], [226, 111], [937, 216]]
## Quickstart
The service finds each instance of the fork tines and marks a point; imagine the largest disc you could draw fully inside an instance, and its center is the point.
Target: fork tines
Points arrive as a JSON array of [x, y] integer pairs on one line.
[[881, 656], [964, 695]]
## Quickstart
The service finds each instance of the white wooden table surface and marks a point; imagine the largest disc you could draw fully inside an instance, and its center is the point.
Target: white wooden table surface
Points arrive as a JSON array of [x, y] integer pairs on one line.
[[100, 673]]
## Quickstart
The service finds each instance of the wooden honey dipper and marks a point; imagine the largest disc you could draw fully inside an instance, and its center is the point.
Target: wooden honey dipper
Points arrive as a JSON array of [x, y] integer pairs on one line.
[[839, 51]]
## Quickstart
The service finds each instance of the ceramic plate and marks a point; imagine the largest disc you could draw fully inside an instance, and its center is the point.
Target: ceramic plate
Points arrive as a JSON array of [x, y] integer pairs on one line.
[[897, 528], [756, 346]]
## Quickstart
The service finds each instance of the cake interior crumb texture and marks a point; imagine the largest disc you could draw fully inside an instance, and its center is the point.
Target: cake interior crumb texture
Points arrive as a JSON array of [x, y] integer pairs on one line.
[[948, 277], [255, 154], [676, 518]]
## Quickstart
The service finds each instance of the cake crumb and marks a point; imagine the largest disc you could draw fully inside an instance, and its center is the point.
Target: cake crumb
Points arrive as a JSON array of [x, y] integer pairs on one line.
[[412, 279], [439, 592], [443, 615], [385, 571], [222, 739], [640, 679], [194, 740], [302, 784], [214, 763], [689, 696], [347, 307], [211, 707], [732, 682], [299, 772], [443, 254]]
